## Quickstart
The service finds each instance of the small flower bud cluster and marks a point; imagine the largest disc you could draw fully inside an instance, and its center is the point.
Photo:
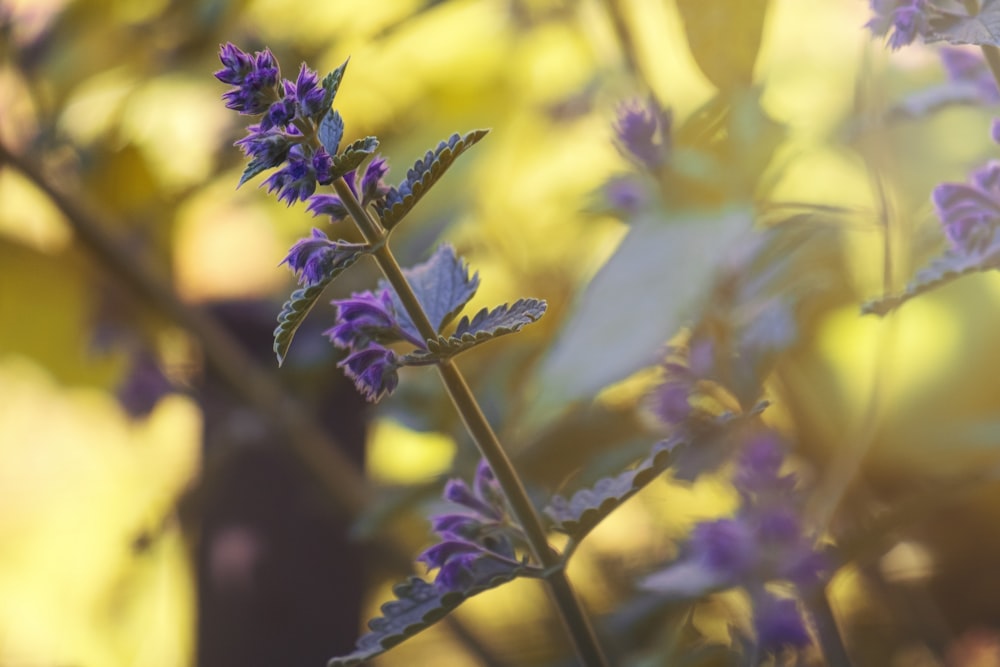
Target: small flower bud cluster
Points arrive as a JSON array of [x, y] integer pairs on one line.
[[285, 107], [642, 133], [478, 535]]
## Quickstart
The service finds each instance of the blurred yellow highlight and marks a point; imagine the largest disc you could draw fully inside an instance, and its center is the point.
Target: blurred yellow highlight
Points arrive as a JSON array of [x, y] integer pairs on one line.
[[79, 484], [398, 455]]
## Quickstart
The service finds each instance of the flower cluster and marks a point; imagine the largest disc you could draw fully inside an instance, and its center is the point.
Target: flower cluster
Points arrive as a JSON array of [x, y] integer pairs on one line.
[[901, 20], [970, 212], [287, 109], [642, 133], [478, 540], [764, 542]]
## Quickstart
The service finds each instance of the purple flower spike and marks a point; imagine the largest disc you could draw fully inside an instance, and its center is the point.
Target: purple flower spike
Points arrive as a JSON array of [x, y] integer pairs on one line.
[[458, 492], [255, 78], [643, 132], [373, 371], [779, 624], [310, 258]]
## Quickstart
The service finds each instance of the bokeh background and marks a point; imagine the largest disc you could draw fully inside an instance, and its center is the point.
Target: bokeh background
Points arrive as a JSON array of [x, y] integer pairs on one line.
[[168, 497]]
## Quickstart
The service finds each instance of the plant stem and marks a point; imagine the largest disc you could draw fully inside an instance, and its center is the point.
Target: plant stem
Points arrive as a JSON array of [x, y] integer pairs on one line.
[[571, 610]]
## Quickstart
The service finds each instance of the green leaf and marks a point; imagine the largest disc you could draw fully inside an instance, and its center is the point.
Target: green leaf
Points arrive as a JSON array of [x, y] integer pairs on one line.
[[724, 37], [253, 168], [294, 312], [578, 515], [636, 302], [442, 285], [331, 83], [331, 131], [946, 268], [424, 174], [351, 157], [981, 29], [486, 325], [418, 606]]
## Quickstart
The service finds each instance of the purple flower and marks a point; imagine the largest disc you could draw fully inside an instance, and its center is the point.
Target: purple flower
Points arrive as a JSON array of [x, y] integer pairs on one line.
[[759, 464], [255, 78], [314, 258], [965, 66], [482, 531], [626, 195], [778, 624], [642, 132], [373, 371], [367, 187], [295, 181], [279, 114], [309, 94], [366, 317], [904, 19], [268, 148], [726, 546], [670, 401], [330, 205], [970, 213]]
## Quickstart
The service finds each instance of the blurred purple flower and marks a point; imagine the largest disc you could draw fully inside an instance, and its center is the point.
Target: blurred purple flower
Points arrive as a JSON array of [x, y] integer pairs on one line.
[[963, 66], [642, 132], [970, 213], [778, 624], [725, 546], [901, 20]]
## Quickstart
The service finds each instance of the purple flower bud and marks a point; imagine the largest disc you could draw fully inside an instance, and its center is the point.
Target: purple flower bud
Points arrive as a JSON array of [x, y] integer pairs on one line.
[[442, 552], [310, 258], [626, 195], [643, 132], [296, 181], [458, 492], [461, 525], [759, 463], [373, 371], [255, 78], [309, 94], [669, 402], [970, 213], [363, 318], [267, 147], [726, 546], [322, 165], [330, 205], [279, 114], [371, 186]]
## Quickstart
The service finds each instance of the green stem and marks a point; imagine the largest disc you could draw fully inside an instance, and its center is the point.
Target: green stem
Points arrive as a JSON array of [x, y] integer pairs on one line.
[[575, 619]]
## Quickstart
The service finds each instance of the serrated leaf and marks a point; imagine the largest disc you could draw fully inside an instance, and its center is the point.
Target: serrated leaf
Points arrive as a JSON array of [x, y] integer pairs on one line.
[[424, 174], [936, 98], [738, 25], [331, 131], [946, 268], [981, 29], [486, 325], [301, 301], [419, 605], [253, 168], [351, 157], [331, 83], [578, 515], [636, 302], [442, 285]]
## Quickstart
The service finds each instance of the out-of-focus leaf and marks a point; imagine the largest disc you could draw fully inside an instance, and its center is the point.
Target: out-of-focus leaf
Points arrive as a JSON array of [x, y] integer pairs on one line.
[[579, 514], [636, 302], [486, 325], [949, 266], [685, 580], [930, 100], [724, 38], [981, 29], [418, 606]]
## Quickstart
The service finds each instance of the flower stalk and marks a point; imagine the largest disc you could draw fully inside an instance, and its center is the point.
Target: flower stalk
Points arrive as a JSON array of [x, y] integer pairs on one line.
[[571, 610]]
